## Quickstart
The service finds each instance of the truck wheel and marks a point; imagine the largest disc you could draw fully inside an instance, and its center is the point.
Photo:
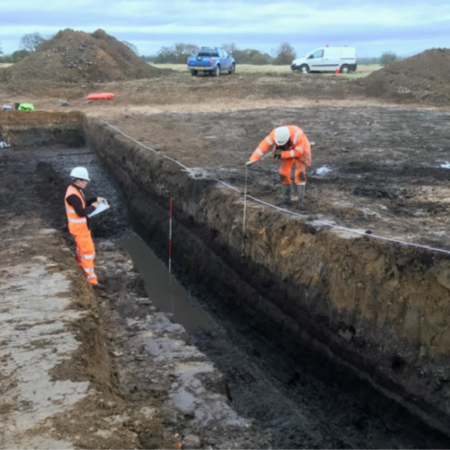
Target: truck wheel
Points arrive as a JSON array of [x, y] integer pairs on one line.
[[194, 73], [345, 69], [304, 68], [217, 71], [233, 69]]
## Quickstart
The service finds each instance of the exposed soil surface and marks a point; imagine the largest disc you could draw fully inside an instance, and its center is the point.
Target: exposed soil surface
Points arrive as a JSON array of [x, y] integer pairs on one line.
[[378, 169], [78, 57], [157, 377], [59, 387], [421, 78]]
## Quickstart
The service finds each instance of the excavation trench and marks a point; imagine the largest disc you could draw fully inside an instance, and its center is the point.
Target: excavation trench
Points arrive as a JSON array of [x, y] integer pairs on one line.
[[307, 326]]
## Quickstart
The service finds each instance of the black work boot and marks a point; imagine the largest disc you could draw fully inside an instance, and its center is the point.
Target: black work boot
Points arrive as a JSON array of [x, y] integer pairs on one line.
[[286, 190], [301, 193]]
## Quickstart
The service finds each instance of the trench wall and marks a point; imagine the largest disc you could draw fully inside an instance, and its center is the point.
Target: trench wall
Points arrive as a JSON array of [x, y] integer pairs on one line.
[[41, 128], [374, 315], [354, 308]]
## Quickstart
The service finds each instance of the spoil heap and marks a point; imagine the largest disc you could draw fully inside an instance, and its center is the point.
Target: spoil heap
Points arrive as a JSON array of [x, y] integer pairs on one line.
[[75, 56], [423, 78]]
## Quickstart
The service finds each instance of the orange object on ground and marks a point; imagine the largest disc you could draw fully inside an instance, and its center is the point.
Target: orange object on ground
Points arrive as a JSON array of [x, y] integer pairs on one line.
[[78, 228], [298, 153], [101, 96]]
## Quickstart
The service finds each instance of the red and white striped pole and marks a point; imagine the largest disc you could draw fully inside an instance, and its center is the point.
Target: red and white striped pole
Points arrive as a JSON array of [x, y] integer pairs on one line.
[[170, 237]]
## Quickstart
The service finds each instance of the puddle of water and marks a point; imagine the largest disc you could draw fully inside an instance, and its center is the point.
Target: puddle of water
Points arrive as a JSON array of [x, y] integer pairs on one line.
[[324, 170], [164, 290]]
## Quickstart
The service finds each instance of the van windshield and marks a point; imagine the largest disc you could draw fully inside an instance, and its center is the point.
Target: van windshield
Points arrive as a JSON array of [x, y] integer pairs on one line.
[[315, 55]]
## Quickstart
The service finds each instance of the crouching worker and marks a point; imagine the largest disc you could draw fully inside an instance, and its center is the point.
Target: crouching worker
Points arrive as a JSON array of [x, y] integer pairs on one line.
[[292, 148], [77, 210]]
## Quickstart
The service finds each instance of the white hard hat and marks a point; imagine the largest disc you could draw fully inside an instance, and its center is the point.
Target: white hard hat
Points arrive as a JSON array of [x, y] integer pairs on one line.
[[282, 135], [80, 173]]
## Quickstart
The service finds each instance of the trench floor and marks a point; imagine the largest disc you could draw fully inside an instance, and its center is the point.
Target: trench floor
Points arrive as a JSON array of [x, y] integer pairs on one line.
[[285, 404]]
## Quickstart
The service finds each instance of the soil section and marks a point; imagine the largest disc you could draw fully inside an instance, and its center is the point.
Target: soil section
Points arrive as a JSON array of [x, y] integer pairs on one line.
[[340, 299]]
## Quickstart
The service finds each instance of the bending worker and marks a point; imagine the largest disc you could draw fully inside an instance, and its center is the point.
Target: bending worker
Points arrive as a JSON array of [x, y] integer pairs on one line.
[[291, 147], [77, 209]]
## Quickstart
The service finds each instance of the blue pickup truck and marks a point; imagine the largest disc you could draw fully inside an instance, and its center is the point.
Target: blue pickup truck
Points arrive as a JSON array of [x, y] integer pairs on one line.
[[211, 60]]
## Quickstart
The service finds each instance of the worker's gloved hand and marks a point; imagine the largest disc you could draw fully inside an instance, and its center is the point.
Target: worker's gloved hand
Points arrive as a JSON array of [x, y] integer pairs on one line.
[[249, 163], [277, 153]]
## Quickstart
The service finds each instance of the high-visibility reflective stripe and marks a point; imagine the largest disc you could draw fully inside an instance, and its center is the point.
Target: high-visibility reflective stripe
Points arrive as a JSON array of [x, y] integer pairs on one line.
[[299, 132], [88, 257], [292, 154], [71, 191], [89, 270], [91, 276], [259, 152], [268, 140], [299, 148], [77, 220], [70, 210]]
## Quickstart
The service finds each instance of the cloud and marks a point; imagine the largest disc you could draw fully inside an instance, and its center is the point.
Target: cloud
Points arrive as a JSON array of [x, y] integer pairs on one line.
[[372, 26]]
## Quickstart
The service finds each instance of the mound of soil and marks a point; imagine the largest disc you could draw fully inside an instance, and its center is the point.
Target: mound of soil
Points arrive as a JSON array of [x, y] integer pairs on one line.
[[74, 56], [422, 78]]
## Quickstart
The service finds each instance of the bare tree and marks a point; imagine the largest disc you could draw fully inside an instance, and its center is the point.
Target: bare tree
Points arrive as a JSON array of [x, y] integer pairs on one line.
[[132, 47], [387, 58], [285, 54], [31, 42], [230, 48], [176, 54], [182, 51], [1, 51]]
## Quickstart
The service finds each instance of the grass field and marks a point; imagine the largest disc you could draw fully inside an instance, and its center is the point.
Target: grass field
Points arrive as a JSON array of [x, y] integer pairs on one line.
[[3, 65], [248, 68]]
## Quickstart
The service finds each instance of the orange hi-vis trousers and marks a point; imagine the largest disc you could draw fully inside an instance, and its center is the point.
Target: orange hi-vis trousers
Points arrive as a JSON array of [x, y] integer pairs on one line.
[[86, 256], [299, 171]]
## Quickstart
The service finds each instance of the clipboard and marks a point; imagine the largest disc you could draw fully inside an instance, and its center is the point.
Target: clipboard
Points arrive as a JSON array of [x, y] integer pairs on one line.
[[102, 206]]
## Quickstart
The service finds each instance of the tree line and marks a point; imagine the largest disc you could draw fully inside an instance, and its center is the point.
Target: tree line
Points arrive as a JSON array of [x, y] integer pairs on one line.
[[179, 52]]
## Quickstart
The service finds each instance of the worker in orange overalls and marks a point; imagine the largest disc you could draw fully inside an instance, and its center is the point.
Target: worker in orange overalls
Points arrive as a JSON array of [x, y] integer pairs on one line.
[[292, 148], [78, 209]]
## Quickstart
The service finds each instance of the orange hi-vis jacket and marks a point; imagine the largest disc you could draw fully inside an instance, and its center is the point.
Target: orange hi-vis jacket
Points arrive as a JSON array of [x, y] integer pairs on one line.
[[299, 148], [77, 225]]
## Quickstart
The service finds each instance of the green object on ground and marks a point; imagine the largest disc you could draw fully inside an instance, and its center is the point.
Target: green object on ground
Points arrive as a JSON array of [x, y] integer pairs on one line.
[[25, 107]]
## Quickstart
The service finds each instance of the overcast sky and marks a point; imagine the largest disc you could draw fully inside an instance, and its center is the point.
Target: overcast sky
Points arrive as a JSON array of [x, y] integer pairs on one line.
[[405, 27]]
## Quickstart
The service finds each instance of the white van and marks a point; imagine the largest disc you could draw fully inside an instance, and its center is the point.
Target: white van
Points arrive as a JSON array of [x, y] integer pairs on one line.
[[327, 59]]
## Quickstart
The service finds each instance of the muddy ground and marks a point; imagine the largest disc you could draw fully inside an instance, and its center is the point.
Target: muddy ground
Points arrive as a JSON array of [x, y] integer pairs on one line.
[[387, 164], [385, 176], [258, 398], [374, 168]]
